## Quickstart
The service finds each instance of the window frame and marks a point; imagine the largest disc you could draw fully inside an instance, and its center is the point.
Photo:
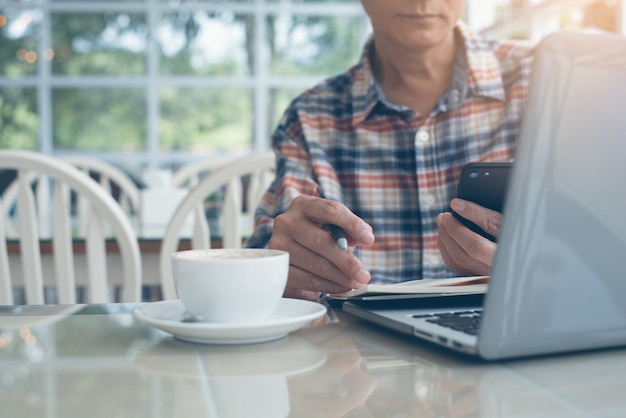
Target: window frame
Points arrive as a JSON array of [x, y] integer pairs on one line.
[[259, 82]]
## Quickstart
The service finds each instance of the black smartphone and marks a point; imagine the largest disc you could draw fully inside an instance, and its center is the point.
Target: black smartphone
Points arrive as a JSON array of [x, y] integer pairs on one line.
[[484, 183]]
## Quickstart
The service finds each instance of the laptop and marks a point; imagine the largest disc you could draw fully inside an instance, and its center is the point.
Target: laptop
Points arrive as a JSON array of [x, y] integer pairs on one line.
[[558, 282]]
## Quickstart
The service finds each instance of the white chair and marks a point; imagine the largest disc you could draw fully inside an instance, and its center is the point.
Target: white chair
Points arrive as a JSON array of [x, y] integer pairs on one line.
[[256, 169], [165, 190], [110, 177], [190, 174], [105, 214]]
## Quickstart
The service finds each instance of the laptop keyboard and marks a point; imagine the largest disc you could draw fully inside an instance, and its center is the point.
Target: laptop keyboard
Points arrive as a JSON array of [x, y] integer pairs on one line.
[[463, 321]]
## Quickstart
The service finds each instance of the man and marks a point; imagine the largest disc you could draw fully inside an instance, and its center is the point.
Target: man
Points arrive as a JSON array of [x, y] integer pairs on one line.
[[379, 150]]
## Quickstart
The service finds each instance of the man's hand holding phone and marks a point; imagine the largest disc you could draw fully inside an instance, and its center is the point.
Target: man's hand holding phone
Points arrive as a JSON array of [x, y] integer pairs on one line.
[[484, 184], [467, 236], [463, 250]]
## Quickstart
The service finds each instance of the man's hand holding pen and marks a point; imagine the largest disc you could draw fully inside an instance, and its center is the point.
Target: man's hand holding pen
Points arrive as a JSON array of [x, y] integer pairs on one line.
[[313, 230]]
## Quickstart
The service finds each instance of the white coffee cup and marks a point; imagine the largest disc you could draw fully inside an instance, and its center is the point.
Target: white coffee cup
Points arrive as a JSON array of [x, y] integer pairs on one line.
[[230, 285]]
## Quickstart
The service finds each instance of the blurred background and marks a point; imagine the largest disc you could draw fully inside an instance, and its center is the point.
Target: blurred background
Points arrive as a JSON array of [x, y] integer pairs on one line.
[[157, 84]]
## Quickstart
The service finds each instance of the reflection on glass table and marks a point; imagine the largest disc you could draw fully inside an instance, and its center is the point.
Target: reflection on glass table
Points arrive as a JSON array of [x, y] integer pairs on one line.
[[99, 361]]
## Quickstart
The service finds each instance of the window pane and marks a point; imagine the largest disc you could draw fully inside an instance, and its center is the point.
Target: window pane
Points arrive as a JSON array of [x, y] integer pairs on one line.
[[19, 34], [313, 45], [206, 120], [206, 43], [99, 43], [19, 125], [99, 119]]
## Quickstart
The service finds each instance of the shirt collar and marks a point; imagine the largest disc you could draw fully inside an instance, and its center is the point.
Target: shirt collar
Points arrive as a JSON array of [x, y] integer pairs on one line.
[[479, 63], [365, 94], [484, 75]]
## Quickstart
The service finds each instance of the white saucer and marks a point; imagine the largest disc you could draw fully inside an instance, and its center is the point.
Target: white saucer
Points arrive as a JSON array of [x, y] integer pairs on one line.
[[290, 315]]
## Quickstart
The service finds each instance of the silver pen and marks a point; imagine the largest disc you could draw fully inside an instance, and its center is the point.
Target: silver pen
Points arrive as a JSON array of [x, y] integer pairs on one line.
[[339, 236]]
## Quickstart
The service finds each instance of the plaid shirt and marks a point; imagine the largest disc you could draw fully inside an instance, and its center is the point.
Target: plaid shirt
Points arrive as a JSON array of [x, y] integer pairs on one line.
[[396, 169]]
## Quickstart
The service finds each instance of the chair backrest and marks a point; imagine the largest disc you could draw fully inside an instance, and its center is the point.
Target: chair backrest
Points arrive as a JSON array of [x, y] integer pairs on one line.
[[106, 219], [258, 172], [112, 179], [115, 181], [190, 174]]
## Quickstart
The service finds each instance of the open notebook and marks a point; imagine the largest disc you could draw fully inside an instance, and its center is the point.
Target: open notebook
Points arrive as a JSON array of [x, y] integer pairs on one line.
[[559, 277], [414, 289]]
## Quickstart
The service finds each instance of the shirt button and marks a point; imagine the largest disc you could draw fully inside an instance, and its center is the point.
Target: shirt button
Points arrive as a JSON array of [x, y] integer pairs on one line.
[[429, 200], [435, 260], [422, 136]]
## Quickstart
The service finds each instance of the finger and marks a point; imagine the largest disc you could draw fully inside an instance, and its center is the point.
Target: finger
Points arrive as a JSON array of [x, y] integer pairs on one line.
[[468, 248], [451, 252], [313, 250], [324, 211], [328, 261], [488, 220], [302, 272], [308, 281], [463, 250]]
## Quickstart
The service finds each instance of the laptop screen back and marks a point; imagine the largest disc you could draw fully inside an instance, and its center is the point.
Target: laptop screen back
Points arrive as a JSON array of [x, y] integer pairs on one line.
[[559, 277]]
